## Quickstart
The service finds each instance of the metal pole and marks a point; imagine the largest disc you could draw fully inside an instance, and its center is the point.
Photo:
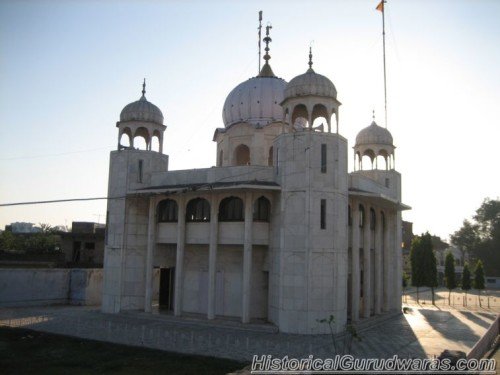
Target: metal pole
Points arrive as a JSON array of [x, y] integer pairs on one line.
[[385, 75]]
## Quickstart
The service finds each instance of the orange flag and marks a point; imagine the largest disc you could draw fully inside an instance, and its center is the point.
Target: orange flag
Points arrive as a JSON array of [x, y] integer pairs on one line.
[[380, 7]]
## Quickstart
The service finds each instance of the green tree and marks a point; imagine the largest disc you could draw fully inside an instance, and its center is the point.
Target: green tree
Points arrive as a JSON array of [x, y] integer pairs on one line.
[[423, 264], [479, 280], [466, 284], [417, 278], [405, 282], [429, 264], [481, 237], [449, 274]]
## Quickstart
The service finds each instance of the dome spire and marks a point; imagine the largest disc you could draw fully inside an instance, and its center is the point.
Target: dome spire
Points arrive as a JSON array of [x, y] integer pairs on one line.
[[144, 88], [266, 69], [310, 58]]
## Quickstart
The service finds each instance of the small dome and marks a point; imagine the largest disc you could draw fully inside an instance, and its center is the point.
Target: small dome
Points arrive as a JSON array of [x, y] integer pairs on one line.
[[142, 110], [374, 135], [310, 83], [256, 101]]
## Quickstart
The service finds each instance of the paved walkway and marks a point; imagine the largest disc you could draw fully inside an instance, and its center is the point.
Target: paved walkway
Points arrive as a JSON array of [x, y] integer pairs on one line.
[[421, 333]]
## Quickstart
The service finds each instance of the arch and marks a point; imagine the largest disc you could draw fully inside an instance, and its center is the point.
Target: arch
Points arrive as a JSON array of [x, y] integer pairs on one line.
[[381, 162], [270, 156], [198, 210], [167, 211], [242, 155], [143, 133], [373, 219], [126, 135], [231, 209], [155, 143], [320, 116], [262, 210], [300, 116], [361, 216]]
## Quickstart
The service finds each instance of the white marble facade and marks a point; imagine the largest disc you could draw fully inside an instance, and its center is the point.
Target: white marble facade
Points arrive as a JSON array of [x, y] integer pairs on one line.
[[278, 231]]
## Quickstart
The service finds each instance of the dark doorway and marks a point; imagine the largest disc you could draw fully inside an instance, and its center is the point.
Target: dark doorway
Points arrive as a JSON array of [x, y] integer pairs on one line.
[[167, 277]]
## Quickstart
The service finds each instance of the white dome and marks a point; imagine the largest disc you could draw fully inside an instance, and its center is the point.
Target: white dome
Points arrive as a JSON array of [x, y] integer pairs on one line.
[[310, 83], [141, 110], [256, 101], [374, 135]]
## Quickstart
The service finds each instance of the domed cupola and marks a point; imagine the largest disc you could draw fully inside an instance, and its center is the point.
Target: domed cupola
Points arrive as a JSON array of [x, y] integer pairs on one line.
[[257, 100], [374, 141], [310, 96], [141, 119]]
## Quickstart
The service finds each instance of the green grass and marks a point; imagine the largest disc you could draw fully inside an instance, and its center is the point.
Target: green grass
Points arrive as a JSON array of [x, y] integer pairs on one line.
[[28, 352]]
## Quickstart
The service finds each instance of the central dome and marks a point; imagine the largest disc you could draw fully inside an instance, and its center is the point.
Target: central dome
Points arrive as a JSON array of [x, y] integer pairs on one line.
[[255, 101], [310, 83], [142, 110]]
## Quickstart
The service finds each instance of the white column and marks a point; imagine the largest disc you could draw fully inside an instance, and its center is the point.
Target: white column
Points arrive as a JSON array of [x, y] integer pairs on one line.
[[212, 255], [179, 258], [247, 258], [355, 280], [378, 263], [388, 262], [398, 261], [366, 264], [148, 295]]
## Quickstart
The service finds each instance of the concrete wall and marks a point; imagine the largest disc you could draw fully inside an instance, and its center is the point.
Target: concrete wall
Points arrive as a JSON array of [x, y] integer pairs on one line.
[[31, 287]]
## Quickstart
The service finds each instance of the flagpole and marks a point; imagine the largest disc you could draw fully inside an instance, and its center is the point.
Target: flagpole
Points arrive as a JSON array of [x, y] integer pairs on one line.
[[385, 74]]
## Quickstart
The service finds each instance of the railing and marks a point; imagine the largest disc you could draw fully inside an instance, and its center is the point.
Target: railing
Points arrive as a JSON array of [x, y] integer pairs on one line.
[[485, 342]]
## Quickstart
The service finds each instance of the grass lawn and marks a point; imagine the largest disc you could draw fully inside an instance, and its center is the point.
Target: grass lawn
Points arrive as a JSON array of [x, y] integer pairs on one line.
[[28, 352]]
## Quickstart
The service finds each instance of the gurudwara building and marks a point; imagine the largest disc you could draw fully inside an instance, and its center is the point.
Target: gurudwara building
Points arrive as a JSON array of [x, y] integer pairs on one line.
[[278, 231]]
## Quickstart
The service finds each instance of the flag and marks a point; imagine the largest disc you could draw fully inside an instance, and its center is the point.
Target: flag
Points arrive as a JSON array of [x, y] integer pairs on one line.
[[380, 7]]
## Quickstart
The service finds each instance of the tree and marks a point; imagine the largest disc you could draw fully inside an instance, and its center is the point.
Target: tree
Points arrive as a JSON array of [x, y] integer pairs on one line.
[[423, 263], [466, 285], [481, 237], [449, 274], [405, 281], [417, 278], [479, 279], [429, 264]]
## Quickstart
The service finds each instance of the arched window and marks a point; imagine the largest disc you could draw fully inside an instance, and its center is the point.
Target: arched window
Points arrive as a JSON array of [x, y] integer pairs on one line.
[[198, 209], [262, 209], [231, 209], [361, 216], [167, 211], [349, 215], [242, 155], [270, 157], [373, 219]]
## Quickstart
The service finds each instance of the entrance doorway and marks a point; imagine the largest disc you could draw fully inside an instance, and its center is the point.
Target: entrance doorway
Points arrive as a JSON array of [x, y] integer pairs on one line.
[[166, 295]]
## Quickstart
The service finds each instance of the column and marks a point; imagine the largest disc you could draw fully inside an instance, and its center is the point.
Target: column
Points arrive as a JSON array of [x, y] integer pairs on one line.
[[378, 263], [148, 295], [179, 257], [355, 281], [387, 263], [367, 295], [398, 261], [212, 255], [247, 258]]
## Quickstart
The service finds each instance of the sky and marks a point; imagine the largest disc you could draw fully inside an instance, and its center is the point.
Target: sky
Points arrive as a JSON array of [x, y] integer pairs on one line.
[[67, 68]]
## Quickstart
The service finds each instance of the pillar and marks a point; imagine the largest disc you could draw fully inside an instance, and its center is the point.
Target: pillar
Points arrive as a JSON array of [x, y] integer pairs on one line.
[[366, 264], [148, 295], [179, 257], [387, 263], [378, 263], [212, 255], [355, 280], [398, 261], [247, 258]]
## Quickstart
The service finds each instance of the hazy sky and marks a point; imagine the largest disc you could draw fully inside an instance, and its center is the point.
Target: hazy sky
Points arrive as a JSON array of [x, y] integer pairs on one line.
[[67, 68]]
